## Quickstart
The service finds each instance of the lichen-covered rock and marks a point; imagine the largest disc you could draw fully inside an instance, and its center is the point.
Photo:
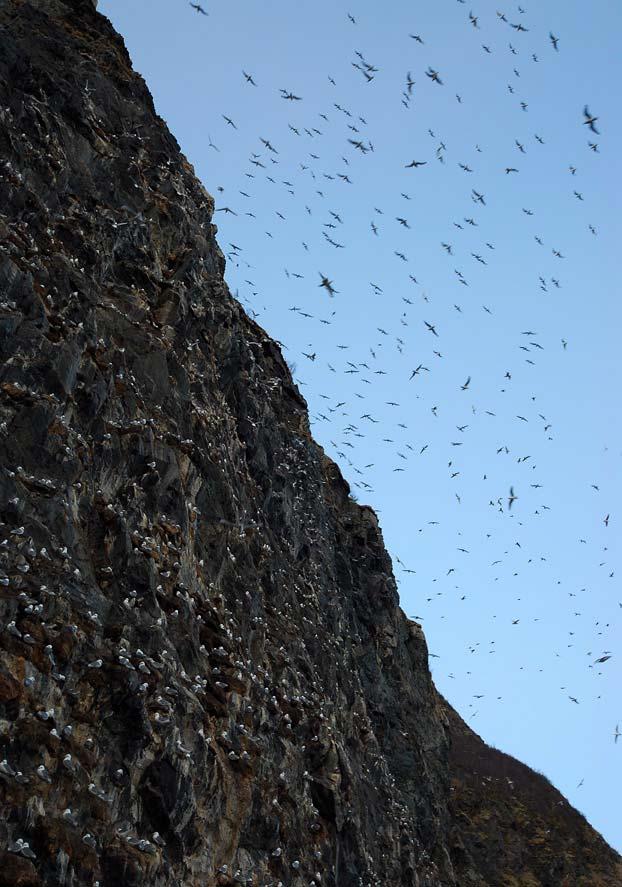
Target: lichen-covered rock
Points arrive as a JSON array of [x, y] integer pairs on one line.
[[205, 676]]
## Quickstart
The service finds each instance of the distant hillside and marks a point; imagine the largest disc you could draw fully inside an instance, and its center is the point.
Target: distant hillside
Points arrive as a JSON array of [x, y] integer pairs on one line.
[[510, 826]]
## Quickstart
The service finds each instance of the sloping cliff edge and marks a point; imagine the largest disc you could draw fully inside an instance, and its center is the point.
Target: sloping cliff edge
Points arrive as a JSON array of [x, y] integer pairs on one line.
[[205, 676]]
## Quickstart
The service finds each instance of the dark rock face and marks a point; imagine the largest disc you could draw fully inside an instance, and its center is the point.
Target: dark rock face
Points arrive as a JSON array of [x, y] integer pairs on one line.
[[205, 677]]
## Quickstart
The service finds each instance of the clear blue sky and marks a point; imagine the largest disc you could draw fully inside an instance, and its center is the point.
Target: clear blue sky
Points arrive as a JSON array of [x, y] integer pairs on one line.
[[550, 562]]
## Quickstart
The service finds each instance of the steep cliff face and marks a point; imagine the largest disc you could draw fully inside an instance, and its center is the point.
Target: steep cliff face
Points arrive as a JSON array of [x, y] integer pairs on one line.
[[205, 676]]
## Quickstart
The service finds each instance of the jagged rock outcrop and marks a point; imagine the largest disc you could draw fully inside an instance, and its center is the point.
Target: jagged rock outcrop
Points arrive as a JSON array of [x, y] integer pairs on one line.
[[205, 676]]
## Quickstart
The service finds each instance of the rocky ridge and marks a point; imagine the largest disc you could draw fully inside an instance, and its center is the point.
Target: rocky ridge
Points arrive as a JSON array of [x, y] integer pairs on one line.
[[205, 675]]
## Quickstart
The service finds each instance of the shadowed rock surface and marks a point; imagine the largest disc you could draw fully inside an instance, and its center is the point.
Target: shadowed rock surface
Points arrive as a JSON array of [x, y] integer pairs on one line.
[[205, 676]]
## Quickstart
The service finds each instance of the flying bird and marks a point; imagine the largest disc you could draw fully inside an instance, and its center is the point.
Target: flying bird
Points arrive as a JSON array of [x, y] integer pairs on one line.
[[590, 120], [433, 75], [328, 285]]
